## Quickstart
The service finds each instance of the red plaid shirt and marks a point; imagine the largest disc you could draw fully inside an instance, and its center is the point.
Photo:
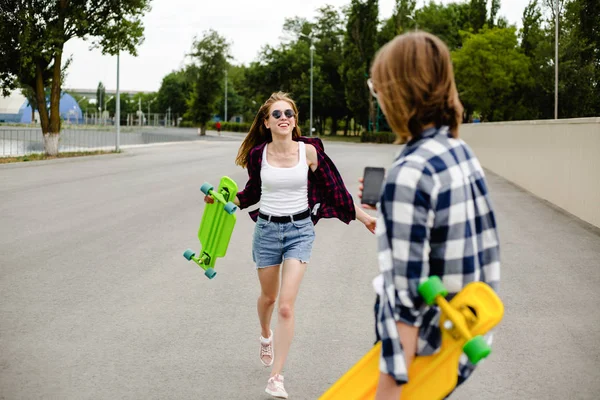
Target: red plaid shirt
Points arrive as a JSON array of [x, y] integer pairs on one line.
[[325, 186]]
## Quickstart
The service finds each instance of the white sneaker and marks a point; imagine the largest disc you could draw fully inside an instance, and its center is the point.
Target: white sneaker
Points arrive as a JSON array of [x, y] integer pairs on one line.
[[266, 350], [275, 387]]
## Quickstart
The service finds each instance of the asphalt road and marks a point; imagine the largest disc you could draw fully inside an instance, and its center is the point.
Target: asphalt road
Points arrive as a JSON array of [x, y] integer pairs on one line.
[[97, 302]]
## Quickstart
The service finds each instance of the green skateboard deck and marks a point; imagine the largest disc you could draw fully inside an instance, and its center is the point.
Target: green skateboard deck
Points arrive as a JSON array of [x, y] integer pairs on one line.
[[216, 225]]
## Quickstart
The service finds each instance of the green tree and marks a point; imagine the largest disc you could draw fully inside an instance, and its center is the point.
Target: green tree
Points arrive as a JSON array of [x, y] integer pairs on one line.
[[478, 14], [579, 60], [329, 32], [534, 45], [100, 97], [210, 55], [402, 20], [236, 104], [494, 8], [360, 43], [578, 83], [445, 21], [387, 31], [174, 90], [491, 72], [127, 106], [32, 38], [287, 68], [589, 32]]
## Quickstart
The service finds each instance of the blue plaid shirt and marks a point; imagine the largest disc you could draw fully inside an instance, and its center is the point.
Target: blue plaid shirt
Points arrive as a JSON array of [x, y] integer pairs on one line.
[[434, 218]]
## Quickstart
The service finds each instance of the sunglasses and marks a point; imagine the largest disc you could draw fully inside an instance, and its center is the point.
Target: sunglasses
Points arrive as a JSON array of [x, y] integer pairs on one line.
[[289, 113], [371, 88]]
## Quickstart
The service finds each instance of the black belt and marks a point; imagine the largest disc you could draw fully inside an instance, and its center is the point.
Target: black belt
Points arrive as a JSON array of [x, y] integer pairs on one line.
[[286, 218]]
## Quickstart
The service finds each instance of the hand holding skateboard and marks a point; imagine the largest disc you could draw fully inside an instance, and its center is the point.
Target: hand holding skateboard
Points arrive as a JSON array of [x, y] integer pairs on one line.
[[216, 226], [473, 312]]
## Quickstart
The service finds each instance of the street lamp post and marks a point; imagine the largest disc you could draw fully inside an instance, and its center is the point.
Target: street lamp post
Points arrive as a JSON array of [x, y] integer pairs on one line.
[[312, 49], [118, 109], [225, 119], [556, 65]]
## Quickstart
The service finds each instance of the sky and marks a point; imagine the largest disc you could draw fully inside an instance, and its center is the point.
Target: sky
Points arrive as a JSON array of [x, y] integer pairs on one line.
[[171, 25]]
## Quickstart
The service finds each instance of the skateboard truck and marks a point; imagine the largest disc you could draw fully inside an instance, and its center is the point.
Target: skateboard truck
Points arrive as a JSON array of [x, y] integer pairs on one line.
[[203, 261], [458, 322], [208, 190]]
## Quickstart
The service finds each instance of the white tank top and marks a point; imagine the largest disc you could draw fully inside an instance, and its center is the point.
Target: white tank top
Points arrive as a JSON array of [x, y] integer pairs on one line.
[[284, 190]]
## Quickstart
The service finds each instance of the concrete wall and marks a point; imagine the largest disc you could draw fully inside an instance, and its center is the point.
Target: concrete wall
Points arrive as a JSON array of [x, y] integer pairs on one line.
[[558, 161]]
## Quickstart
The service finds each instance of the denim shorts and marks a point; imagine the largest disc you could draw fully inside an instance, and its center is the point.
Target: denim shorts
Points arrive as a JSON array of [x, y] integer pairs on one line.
[[274, 242]]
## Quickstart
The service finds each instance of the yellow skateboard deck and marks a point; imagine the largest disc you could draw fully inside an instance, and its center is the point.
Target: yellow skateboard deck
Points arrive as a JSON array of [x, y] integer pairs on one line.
[[473, 312]]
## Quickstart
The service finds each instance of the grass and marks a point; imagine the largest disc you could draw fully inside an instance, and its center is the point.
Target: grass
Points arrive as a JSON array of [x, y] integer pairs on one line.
[[42, 156]]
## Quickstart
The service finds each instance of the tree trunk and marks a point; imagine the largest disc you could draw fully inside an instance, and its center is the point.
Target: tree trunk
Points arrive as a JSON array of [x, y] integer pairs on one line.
[[334, 126], [51, 143], [346, 125], [52, 131], [55, 93], [203, 130], [40, 94]]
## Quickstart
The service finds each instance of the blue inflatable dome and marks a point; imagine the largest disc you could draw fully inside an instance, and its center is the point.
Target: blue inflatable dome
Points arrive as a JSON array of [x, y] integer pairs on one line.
[[69, 110]]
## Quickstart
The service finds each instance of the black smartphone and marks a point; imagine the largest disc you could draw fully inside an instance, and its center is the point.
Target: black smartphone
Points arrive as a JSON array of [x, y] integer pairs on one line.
[[372, 181]]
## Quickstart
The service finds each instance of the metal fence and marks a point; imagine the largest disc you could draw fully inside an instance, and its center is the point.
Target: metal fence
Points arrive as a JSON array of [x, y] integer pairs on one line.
[[138, 119], [25, 141]]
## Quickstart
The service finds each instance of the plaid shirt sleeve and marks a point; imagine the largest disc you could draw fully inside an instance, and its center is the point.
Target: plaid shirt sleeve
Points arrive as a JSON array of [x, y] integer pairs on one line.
[[405, 220], [330, 188], [250, 195]]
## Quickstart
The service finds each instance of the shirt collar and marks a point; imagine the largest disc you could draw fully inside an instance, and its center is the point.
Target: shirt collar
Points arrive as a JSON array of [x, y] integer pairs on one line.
[[426, 134]]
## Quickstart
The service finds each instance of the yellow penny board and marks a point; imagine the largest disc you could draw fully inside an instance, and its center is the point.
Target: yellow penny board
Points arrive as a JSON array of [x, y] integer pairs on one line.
[[474, 311]]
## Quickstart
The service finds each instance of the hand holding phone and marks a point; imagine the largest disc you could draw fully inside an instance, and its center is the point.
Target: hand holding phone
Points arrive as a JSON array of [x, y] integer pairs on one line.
[[372, 181]]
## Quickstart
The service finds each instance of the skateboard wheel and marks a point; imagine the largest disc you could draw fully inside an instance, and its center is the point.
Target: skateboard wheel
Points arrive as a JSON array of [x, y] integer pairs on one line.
[[477, 349], [210, 273], [432, 288], [230, 208], [188, 254], [206, 188]]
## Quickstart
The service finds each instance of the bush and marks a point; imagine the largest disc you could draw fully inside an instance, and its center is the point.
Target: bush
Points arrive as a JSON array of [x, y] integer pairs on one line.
[[187, 124], [378, 137], [234, 126], [225, 126]]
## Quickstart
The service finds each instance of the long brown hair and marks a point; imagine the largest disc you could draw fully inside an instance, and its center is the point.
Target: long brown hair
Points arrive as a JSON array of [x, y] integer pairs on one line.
[[414, 81], [259, 133]]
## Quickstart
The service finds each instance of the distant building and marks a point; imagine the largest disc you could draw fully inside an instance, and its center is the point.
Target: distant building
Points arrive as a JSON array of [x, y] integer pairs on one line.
[[10, 107], [16, 109], [90, 94]]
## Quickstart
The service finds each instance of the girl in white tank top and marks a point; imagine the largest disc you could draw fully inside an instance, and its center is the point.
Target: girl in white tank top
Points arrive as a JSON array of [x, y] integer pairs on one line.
[[284, 190], [284, 231]]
